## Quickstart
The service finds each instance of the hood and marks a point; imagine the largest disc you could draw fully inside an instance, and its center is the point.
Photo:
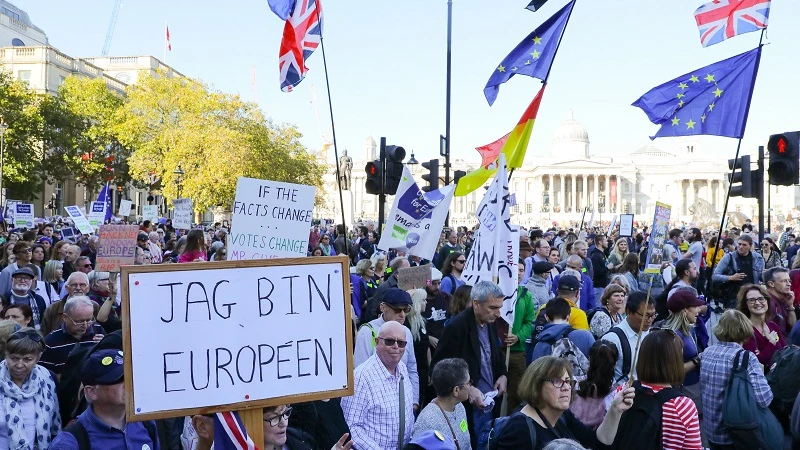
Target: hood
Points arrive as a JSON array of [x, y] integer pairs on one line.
[[552, 330], [536, 281]]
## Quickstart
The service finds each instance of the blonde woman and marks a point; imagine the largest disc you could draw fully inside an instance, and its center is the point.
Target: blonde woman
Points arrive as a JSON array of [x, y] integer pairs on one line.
[[379, 264], [618, 253], [684, 307], [416, 323]]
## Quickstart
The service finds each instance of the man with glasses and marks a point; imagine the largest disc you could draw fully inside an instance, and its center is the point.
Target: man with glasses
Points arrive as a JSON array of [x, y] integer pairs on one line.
[[23, 253], [380, 413], [79, 328], [641, 312], [83, 264], [77, 284], [395, 307], [22, 294]]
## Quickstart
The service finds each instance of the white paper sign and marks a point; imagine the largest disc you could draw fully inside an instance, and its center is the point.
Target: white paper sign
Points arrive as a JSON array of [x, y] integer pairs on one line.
[[183, 213], [23, 215], [613, 224], [278, 331], [270, 219], [125, 208], [80, 220], [626, 225], [150, 212], [97, 215]]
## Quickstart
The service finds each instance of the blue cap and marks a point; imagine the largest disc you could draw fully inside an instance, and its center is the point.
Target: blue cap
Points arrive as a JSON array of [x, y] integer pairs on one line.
[[434, 440], [103, 367], [397, 297]]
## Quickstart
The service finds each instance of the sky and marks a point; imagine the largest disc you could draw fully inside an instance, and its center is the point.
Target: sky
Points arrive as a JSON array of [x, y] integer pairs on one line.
[[386, 62]]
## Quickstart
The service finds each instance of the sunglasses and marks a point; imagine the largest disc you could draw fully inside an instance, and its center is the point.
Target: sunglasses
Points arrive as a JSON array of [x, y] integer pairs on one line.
[[30, 334], [390, 342], [406, 310]]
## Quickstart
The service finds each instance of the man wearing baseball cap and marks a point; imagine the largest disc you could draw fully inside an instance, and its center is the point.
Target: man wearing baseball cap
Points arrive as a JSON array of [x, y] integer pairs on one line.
[[569, 288], [103, 423]]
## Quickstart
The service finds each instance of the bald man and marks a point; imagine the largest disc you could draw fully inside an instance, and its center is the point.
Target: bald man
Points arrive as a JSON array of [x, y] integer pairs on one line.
[[588, 301]]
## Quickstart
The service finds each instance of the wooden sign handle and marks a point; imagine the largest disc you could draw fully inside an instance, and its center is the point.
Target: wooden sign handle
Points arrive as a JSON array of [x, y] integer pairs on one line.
[[253, 420]]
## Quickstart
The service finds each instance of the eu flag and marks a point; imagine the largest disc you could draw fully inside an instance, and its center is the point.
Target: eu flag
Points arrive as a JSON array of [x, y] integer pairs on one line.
[[533, 56], [713, 100], [535, 5]]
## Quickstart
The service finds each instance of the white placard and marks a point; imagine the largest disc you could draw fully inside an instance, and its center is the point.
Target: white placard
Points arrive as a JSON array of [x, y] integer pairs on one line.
[[279, 329], [626, 225], [270, 219], [98, 214], [80, 220], [23, 215], [183, 212], [125, 208], [612, 226], [150, 212]]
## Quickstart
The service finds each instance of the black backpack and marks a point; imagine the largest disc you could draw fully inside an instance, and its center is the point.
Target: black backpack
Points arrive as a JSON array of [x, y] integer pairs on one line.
[[77, 429], [783, 378], [644, 417], [625, 345]]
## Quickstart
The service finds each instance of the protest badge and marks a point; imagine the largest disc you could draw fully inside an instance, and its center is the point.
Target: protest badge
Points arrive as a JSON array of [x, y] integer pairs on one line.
[[183, 212], [117, 247], [125, 208], [270, 219], [416, 218], [233, 335], [658, 236], [23, 215], [97, 215], [150, 212], [79, 219], [414, 277], [626, 225]]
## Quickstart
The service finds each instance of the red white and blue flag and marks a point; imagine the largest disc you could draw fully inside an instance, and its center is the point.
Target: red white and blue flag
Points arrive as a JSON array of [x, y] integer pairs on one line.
[[302, 35], [229, 433], [724, 19]]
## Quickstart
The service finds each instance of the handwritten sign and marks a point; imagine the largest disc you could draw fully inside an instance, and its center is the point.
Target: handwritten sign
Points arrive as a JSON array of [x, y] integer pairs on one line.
[[414, 277], [125, 208], [658, 235], [97, 215], [270, 219], [626, 225], [150, 212], [117, 247], [80, 220], [23, 215], [281, 334], [183, 212]]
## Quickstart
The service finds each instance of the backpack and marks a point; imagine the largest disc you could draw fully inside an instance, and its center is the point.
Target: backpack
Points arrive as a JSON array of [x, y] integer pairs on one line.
[[625, 345], [590, 315], [644, 417], [750, 426], [782, 378], [453, 286], [727, 290], [77, 430], [487, 437], [530, 343], [563, 347], [590, 410]]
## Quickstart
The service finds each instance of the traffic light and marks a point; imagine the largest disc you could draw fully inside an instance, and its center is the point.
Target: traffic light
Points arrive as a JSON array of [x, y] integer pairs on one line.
[[374, 177], [458, 174], [433, 176], [784, 158], [747, 178], [394, 168]]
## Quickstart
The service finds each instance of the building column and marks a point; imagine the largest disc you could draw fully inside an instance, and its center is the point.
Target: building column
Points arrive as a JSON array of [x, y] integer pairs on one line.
[[596, 199], [550, 179], [584, 188], [574, 205], [561, 190], [633, 194]]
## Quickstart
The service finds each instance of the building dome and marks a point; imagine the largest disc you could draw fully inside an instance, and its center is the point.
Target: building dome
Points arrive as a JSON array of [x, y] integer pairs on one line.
[[571, 140], [651, 150]]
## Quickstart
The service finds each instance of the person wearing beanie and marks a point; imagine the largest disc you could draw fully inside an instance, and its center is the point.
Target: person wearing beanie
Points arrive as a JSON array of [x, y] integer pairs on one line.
[[684, 307]]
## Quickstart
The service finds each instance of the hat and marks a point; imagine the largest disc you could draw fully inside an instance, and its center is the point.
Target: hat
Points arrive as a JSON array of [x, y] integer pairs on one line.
[[24, 271], [568, 283], [432, 440], [44, 238], [395, 296], [142, 236], [525, 246], [436, 274], [682, 299], [103, 367], [542, 267]]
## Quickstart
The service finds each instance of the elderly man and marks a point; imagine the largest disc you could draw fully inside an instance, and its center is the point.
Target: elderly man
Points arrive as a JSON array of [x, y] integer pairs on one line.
[[472, 335], [380, 413], [76, 284], [83, 264], [103, 424], [395, 306], [588, 299], [23, 254], [71, 253], [22, 294], [78, 328]]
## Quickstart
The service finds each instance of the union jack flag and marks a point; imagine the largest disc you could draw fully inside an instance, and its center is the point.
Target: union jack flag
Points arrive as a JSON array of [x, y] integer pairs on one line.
[[724, 19], [229, 433], [302, 35]]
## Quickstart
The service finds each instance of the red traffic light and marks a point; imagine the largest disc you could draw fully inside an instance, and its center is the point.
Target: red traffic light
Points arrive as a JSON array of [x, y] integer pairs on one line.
[[781, 145], [372, 168]]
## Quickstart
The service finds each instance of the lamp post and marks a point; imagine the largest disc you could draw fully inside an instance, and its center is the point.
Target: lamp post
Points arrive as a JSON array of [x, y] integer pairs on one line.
[[3, 128], [601, 206], [412, 164], [179, 178]]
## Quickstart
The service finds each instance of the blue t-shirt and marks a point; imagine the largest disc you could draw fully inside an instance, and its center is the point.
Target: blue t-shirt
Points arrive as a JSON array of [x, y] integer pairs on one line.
[[486, 382], [689, 353]]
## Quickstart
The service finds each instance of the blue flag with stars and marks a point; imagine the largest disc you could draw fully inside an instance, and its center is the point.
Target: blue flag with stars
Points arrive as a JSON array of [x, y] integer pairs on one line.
[[533, 56], [713, 100]]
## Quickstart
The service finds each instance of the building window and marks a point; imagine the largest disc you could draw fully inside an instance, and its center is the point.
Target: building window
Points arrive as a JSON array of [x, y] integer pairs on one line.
[[24, 75], [17, 42], [528, 208], [515, 209], [9, 13], [61, 80]]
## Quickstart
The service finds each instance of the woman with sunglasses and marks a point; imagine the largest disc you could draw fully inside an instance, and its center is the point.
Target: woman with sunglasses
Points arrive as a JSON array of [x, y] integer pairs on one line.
[[548, 389], [767, 338], [326, 245], [29, 414], [771, 254]]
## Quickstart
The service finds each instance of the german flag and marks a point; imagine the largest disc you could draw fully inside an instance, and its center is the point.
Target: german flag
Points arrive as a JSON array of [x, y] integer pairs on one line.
[[514, 148]]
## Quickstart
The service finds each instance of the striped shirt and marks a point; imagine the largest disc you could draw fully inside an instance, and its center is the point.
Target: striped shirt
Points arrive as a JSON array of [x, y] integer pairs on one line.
[[59, 344], [680, 423]]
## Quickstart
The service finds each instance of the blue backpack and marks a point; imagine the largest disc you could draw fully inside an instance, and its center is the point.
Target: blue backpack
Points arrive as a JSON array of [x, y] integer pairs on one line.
[[487, 437], [750, 425]]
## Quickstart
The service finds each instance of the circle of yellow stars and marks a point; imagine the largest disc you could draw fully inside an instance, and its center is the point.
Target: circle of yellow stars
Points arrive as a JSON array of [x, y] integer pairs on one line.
[[683, 86], [535, 55]]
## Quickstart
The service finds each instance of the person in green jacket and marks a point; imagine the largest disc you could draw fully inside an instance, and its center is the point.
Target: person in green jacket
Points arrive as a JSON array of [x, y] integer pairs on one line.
[[524, 315]]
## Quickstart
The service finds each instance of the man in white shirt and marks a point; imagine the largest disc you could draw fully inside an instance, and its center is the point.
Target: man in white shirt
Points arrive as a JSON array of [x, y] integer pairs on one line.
[[625, 334]]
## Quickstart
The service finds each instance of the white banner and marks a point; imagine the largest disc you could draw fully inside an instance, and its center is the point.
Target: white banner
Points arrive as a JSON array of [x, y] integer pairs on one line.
[[80, 220], [125, 208], [150, 212], [611, 228], [183, 213], [416, 218], [97, 215], [23, 215]]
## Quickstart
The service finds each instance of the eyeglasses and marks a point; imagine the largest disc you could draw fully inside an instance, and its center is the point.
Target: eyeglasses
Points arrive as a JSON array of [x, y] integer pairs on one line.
[[757, 300], [647, 316], [390, 342], [78, 285], [558, 383], [273, 422], [406, 310], [81, 323]]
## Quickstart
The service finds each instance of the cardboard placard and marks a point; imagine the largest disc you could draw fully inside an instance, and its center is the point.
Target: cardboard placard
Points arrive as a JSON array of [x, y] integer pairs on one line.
[[150, 212], [117, 247], [282, 333], [183, 212], [23, 215], [80, 220], [97, 215], [414, 277], [125, 208]]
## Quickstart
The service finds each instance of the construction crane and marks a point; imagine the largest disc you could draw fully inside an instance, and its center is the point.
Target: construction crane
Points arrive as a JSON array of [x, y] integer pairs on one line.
[[327, 142], [111, 26]]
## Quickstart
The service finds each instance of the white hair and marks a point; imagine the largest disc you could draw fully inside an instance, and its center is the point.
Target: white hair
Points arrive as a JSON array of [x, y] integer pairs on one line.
[[76, 302]]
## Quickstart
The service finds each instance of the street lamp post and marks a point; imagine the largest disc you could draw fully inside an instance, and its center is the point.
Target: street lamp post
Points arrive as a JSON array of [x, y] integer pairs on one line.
[[3, 128], [412, 164], [179, 178]]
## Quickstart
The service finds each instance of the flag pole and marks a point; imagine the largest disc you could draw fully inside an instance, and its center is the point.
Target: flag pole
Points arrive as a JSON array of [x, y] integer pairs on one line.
[[166, 27]]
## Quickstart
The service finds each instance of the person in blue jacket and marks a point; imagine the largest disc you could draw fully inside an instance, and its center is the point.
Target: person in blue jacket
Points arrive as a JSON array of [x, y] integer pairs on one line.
[[588, 301], [557, 312]]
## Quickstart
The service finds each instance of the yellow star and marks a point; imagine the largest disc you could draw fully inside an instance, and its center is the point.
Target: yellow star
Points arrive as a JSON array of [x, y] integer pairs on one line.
[[528, 62], [675, 121], [690, 124], [501, 68], [711, 107], [703, 118], [536, 54], [694, 79], [683, 85], [680, 95], [537, 40], [718, 92], [710, 78], [680, 104]]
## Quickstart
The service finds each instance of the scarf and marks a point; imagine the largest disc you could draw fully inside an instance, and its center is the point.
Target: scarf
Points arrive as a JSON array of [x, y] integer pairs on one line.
[[326, 249], [41, 389]]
